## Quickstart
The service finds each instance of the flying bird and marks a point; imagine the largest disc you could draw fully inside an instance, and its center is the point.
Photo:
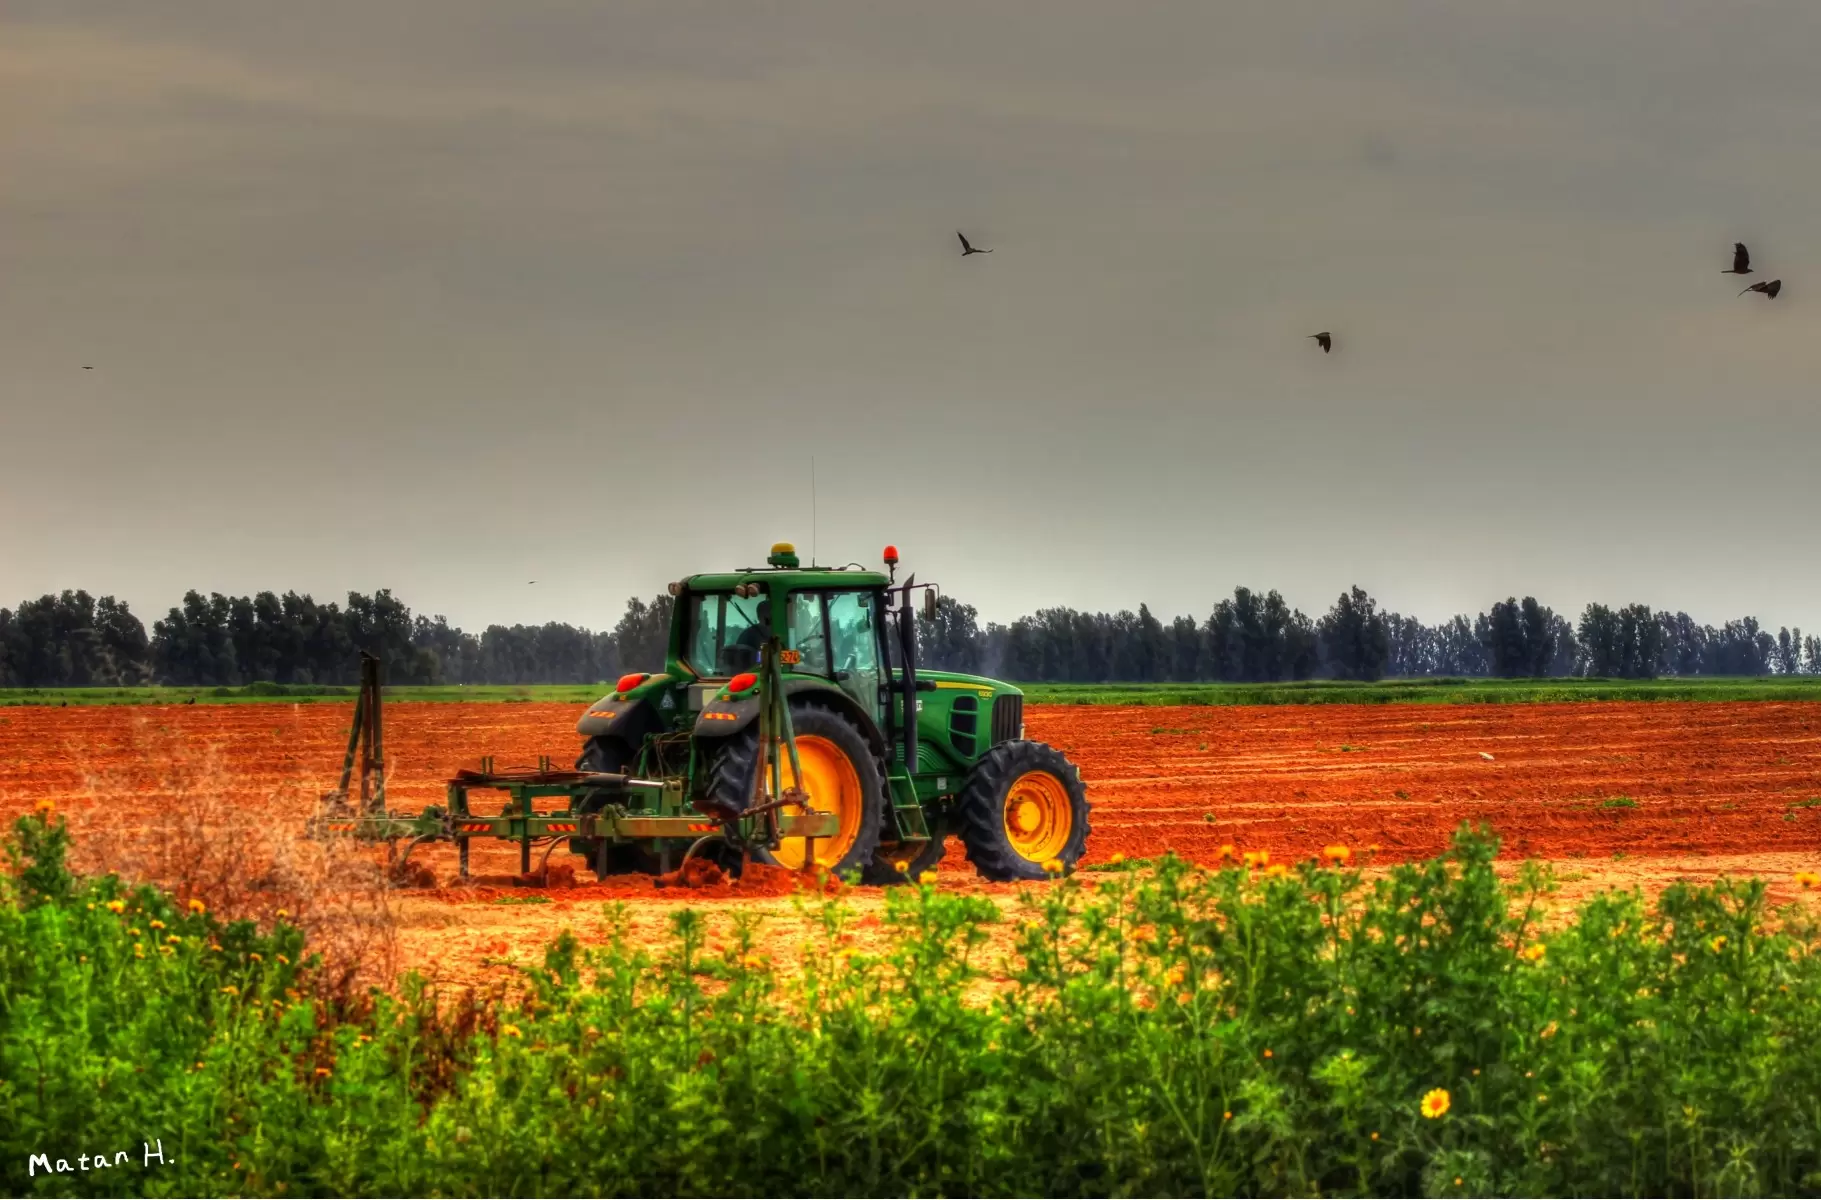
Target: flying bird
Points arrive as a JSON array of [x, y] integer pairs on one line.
[[1324, 340], [966, 248], [528, 582], [1741, 260], [88, 368], [1769, 289]]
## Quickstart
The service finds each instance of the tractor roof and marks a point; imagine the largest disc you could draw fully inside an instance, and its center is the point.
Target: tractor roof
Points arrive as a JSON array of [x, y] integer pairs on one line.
[[800, 577]]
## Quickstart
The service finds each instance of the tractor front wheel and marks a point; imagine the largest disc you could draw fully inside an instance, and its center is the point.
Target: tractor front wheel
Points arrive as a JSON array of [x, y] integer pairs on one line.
[[839, 773], [1023, 809]]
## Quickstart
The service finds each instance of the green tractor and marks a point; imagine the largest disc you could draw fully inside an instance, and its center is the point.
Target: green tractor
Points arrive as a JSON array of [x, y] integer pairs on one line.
[[884, 760]]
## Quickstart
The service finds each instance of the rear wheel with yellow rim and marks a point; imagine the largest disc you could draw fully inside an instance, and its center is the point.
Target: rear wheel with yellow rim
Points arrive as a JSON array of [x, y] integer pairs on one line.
[[840, 775], [1024, 812]]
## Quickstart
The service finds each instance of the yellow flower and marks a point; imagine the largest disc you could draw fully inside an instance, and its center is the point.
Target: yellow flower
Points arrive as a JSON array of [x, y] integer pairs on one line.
[[901, 866], [198, 907], [1267, 1053], [166, 950], [138, 950], [1117, 858], [46, 807], [1435, 1103], [1807, 879], [322, 1071], [1229, 853], [284, 960], [753, 962], [282, 914], [230, 990], [1276, 871], [1718, 943], [256, 957], [115, 906], [1340, 856], [1375, 1135], [1053, 866], [1548, 1030], [156, 923], [1226, 1116], [510, 1031], [1534, 952], [928, 877], [1257, 858]]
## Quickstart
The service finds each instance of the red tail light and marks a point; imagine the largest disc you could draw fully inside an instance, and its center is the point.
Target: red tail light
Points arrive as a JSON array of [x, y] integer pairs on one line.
[[628, 682], [740, 683]]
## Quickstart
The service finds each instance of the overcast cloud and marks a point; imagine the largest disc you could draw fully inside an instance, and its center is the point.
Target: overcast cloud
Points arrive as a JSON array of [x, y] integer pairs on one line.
[[448, 296]]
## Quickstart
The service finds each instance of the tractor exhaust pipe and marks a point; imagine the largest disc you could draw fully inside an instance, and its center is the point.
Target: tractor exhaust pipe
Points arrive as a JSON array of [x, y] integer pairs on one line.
[[907, 644]]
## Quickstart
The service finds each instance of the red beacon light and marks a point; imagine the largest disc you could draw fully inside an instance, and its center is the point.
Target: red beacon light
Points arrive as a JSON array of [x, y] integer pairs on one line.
[[628, 682], [891, 556], [742, 681]]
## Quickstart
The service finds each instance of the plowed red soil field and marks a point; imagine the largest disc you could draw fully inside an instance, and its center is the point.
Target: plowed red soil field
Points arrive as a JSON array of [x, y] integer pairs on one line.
[[1670, 789]]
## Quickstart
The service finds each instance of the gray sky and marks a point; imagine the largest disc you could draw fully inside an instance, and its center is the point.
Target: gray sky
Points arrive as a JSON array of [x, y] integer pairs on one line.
[[448, 296]]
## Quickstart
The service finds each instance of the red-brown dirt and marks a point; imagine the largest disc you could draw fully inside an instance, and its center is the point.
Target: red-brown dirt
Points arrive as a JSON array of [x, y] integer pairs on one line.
[[1678, 789]]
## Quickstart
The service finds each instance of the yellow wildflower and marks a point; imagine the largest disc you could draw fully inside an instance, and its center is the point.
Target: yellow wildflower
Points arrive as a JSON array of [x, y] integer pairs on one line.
[[115, 906], [510, 1031], [1548, 1030], [901, 866], [156, 923], [1534, 952], [1053, 866], [1117, 859], [198, 907], [1340, 856], [1435, 1102], [928, 878]]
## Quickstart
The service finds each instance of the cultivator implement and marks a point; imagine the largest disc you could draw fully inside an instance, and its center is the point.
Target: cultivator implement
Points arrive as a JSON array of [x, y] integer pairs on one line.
[[593, 811]]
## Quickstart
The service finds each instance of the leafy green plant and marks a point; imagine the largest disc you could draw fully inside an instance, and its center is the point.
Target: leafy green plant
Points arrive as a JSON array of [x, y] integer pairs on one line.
[[1163, 1031]]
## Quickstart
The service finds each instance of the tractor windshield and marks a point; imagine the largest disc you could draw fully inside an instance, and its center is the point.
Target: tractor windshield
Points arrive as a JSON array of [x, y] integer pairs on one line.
[[725, 632]]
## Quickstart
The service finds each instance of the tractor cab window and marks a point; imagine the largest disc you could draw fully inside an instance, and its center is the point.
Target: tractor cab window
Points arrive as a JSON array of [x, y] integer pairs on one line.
[[726, 632], [808, 633], [854, 642], [837, 635]]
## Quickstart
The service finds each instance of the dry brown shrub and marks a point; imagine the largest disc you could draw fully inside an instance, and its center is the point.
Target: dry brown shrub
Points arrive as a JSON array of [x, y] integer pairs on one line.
[[178, 818]]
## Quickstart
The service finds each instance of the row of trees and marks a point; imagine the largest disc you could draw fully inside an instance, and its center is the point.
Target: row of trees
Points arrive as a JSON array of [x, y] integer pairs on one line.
[[75, 640], [1255, 637]]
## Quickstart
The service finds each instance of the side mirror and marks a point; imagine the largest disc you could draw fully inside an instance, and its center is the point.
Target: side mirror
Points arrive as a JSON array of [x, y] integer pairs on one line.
[[929, 604]]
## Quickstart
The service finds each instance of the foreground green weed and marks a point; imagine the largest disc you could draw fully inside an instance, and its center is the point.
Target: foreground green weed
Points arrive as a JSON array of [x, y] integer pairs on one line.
[[1165, 1031]]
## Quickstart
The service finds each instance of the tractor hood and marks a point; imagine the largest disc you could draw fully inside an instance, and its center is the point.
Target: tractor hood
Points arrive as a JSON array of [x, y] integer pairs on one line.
[[954, 681]]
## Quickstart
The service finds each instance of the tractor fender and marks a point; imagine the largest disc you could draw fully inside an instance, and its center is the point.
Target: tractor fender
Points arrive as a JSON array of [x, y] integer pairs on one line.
[[630, 719], [724, 718]]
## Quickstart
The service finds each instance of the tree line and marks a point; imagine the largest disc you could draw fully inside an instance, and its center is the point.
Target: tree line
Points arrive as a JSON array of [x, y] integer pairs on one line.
[[75, 640]]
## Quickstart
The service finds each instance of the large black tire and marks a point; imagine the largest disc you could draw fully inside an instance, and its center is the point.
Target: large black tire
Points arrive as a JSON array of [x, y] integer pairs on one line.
[[829, 737], [1042, 778], [883, 871], [611, 756]]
